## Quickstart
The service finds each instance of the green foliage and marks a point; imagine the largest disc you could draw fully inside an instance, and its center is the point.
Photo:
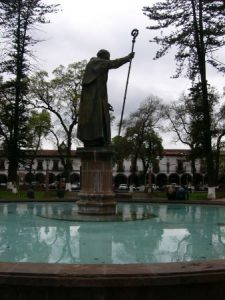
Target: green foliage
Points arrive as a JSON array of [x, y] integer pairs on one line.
[[196, 29], [195, 109], [39, 123], [192, 27], [18, 20], [122, 147], [151, 150], [140, 130], [7, 116], [60, 96]]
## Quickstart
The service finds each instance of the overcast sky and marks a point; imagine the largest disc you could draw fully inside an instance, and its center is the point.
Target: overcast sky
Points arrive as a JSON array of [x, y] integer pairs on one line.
[[85, 26]]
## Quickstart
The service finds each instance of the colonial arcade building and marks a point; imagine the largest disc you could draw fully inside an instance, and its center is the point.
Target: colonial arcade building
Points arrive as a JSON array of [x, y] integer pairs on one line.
[[173, 167]]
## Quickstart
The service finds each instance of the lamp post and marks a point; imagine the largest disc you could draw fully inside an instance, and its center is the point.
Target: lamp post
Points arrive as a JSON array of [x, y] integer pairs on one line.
[[150, 179], [147, 147], [47, 177], [66, 175]]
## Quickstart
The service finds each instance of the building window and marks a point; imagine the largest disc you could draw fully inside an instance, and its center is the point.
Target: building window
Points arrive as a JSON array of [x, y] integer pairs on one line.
[[180, 167], [55, 165], [40, 165], [2, 165], [168, 167]]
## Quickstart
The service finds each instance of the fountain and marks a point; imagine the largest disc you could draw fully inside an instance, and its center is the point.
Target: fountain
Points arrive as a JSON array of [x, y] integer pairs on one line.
[[103, 275], [28, 280]]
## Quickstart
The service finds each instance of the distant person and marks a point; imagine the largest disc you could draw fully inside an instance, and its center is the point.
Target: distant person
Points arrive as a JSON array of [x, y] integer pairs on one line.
[[181, 193], [171, 193], [94, 118]]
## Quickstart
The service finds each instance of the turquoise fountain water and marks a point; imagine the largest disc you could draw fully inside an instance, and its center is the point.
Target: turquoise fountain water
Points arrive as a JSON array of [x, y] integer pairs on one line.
[[38, 232]]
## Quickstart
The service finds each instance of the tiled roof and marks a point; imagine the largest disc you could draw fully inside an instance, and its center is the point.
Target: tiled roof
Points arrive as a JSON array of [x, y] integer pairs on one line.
[[166, 152], [176, 152], [52, 153]]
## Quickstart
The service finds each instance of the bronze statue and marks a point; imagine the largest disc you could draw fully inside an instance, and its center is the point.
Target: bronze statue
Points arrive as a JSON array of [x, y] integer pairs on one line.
[[94, 118]]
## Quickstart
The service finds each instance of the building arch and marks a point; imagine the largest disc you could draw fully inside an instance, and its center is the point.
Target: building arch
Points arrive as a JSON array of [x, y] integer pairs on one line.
[[133, 179], [40, 177], [75, 177], [161, 179], [51, 178], [3, 179], [174, 178], [29, 177], [186, 179], [119, 179]]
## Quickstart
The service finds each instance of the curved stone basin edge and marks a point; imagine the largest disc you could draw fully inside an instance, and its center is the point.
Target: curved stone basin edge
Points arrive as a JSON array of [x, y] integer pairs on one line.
[[162, 281], [107, 275]]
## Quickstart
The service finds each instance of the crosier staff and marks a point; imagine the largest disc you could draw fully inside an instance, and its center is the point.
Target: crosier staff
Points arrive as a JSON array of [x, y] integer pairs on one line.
[[134, 34]]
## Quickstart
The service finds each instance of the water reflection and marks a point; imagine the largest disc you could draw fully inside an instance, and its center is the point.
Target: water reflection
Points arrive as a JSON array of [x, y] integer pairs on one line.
[[178, 233], [70, 213]]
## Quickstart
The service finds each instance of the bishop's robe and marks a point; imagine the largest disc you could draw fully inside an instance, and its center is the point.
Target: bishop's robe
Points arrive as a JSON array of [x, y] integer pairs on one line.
[[94, 118]]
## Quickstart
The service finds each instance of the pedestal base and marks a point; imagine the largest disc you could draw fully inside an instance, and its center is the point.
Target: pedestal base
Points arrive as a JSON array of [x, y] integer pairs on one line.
[[96, 207], [96, 195]]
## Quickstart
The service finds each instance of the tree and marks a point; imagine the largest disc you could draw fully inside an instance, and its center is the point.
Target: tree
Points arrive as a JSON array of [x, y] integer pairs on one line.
[[196, 28], [19, 19], [122, 147], [150, 153], [219, 133], [140, 129], [39, 126], [60, 96], [7, 101], [187, 121]]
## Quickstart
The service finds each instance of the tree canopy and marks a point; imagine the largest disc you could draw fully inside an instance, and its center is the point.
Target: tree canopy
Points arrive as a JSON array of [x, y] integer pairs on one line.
[[19, 20], [60, 96], [196, 29]]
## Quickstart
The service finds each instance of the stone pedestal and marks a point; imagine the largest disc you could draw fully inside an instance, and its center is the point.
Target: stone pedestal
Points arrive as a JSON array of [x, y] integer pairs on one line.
[[96, 196]]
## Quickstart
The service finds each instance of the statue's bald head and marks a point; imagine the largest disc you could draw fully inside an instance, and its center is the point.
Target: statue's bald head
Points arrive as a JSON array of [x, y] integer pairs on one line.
[[104, 54]]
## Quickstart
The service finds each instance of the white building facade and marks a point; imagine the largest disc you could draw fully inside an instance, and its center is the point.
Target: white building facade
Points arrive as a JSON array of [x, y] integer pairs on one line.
[[173, 167]]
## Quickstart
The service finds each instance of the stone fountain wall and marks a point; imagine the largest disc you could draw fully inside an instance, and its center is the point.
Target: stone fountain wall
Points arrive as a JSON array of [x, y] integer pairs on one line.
[[96, 195], [172, 281]]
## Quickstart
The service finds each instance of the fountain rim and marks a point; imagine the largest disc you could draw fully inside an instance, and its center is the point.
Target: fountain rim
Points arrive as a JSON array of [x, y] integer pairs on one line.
[[102, 275], [45, 274]]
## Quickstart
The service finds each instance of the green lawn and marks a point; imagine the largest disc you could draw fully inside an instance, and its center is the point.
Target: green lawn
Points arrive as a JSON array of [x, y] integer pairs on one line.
[[41, 195], [38, 195]]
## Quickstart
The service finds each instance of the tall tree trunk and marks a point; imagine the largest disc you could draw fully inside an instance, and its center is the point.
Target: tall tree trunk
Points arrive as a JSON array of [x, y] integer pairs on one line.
[[207, 143], [217, 159], [14, 145]]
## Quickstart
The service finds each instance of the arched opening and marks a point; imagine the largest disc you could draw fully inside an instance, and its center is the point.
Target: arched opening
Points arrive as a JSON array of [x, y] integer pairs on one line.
[[133, 179], [186, 179], [51, 178], [174, 178], [119, 179], [29, 178], [40, 178], [3, 179], [75, 177], [161, 180]]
